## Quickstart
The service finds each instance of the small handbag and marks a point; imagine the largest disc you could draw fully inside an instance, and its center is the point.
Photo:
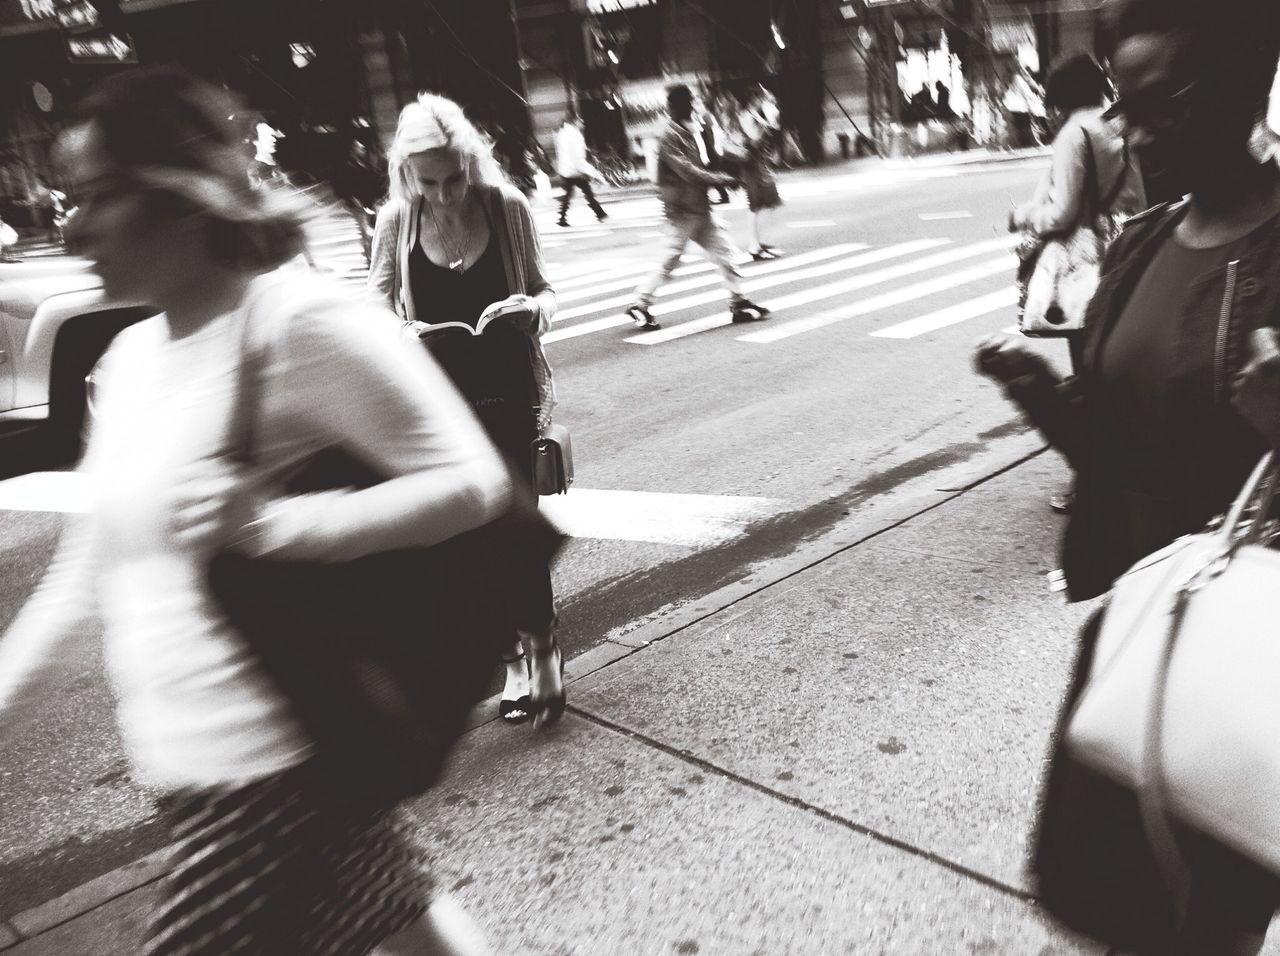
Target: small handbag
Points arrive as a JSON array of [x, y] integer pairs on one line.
[[1170, 727], [551, 457], [1058, 275], [382, 657]]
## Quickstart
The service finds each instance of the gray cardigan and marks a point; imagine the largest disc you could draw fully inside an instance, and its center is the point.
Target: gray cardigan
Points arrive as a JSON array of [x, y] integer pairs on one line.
[[396, 233]]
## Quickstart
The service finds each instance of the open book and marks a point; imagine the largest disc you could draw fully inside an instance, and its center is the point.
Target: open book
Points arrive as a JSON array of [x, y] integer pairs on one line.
[[514, 310]]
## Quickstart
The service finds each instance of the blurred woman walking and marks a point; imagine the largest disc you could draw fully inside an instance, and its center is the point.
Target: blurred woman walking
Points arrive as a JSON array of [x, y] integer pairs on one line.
[[266, 861]]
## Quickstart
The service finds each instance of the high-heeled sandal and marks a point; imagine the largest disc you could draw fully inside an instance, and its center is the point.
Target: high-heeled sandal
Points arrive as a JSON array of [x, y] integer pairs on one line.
[[550, 710], [520, 709]]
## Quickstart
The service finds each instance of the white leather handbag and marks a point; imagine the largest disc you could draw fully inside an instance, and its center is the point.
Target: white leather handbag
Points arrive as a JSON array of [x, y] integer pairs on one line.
[[1182, 702]]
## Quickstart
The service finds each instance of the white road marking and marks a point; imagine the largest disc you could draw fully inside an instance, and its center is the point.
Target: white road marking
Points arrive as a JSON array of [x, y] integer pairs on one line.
[[811, 224], [941, 216], [589, 278], [58, 492], [656, 517], [826, 290], [951, 315], [688, 520], [749, 269], [888, 300], [781, 266]]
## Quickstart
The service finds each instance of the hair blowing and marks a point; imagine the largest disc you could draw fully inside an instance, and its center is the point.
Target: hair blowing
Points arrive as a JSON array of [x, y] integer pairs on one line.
[[437, 122], [165, 118]]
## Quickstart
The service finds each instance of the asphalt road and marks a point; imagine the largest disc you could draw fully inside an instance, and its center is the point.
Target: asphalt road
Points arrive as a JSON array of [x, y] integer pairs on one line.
[[698, 455]]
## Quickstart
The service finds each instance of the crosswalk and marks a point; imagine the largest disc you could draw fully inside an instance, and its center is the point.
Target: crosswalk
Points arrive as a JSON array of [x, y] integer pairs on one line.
[[806, 292]]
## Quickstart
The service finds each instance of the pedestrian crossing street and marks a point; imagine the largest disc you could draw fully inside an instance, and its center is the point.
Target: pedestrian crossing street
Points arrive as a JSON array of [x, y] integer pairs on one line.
[[836, 284]]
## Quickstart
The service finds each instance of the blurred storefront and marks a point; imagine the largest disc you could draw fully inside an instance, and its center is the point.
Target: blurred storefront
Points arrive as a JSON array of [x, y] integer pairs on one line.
[[612, 60], [298, 65]]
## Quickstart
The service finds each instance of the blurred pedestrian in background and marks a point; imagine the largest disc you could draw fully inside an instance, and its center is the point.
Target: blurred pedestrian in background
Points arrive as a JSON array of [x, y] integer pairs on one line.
[[1092, 173], [456, 243], [265, 860], [575, 169], [761, 134], [682, 184], [1148, 422], [712, 136]]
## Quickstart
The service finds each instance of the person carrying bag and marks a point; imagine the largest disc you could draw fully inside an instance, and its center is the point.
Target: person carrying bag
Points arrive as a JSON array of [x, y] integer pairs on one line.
[[1167, 748], [1058, 273]]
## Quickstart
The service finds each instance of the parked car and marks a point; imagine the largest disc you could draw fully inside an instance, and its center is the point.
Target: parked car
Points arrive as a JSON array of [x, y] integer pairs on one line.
[[55, 323]]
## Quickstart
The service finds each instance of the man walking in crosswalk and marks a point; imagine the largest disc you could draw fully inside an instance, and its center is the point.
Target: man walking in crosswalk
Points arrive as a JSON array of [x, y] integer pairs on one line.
[[575, 169], [683, 181]]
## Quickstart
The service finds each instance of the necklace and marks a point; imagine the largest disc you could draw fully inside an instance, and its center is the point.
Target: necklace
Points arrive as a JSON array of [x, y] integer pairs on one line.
[[455, 256]]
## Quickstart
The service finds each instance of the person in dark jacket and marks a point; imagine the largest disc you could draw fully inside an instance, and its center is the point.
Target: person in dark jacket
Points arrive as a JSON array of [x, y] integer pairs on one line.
[[1148, 421]]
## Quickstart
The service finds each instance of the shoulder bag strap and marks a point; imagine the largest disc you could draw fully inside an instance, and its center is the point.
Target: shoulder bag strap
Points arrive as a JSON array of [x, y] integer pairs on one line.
[[246, 398], [1090, 208]]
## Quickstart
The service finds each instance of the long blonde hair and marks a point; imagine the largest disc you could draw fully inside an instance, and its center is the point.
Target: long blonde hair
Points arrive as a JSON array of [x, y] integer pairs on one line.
[[437, 122]]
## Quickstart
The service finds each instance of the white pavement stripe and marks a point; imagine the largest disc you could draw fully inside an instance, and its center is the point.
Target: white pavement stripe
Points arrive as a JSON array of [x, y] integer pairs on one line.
[[811, 224], [690, 520], [951, 315], [887, 300], [635, 268], [749, 268], [783, 266], [586, 328], [827, 290], [61, 492], [942, 216]]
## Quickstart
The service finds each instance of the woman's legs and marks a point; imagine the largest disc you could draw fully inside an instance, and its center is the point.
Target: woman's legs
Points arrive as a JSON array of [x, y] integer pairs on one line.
[[445, 930]]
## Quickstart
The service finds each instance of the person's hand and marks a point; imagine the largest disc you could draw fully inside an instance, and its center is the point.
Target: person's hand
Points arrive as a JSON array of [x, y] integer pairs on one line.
[[520, 309], [1003, 359], [1015, 219], [213, 504], [1256, 389]]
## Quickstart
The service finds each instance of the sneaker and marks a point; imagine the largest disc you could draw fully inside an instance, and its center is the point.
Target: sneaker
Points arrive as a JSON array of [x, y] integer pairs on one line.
[[562, 222], [642, 318], [601, 217], [744, 310]]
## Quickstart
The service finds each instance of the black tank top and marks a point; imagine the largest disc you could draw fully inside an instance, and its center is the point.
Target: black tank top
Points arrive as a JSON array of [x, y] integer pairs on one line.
[[493, 371], [443, 295]]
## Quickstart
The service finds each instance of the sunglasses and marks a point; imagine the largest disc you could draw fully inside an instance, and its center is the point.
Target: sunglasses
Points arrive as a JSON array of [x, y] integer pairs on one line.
[[1151, 108]]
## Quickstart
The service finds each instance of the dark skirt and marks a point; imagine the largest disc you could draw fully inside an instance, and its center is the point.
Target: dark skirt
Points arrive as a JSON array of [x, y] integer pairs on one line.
[[494, 372], [274, 867], [759, 185]]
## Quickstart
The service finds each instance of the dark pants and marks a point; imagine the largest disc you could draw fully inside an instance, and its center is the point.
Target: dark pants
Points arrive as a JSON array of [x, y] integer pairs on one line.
[[583, 183]]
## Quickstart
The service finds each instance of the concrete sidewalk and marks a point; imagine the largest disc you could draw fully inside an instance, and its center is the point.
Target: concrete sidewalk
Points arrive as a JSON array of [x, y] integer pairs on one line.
[[838, 754]]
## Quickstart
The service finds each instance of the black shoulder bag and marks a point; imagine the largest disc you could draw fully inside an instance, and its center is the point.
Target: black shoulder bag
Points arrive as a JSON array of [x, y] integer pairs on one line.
[[381, 657]]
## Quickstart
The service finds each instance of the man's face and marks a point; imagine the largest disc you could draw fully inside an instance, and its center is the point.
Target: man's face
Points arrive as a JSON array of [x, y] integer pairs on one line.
[[1171, 115], [1153, 107]]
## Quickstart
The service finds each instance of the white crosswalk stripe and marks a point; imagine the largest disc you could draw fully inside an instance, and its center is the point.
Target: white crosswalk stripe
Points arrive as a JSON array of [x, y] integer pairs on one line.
[[951, 315], [919, 290], [703, 268], [785, 276], [831, 289]]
